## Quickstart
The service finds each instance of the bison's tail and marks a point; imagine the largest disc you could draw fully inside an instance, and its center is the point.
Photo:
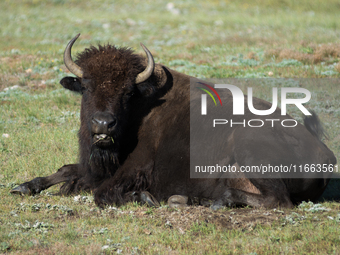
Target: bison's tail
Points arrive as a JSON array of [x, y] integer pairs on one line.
[[314, 126]]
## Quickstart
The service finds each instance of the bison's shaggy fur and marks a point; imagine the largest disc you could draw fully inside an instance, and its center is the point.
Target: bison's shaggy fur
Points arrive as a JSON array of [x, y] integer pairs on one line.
[[110, 64]]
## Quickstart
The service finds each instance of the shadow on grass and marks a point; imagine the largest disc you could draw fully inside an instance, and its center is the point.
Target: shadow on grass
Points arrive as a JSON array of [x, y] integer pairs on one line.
[[332, 192]]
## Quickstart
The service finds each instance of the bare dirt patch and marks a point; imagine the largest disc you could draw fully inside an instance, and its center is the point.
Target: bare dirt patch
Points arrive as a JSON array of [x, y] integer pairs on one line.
[[238, 218]]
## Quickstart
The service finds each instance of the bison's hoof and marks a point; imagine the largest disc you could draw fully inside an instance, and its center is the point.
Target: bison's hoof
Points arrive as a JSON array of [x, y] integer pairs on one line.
[[22, 189], [103, 199], [178, 201], [149, 199], [219, 204], [101, 202], [216, 207]]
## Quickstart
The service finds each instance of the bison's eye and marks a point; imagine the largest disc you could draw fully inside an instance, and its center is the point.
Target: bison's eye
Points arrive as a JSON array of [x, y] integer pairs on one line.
[[130, 94], [85, 84]]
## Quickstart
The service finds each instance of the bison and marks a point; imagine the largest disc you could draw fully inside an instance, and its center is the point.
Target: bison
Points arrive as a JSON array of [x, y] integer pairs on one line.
[[134, 140]]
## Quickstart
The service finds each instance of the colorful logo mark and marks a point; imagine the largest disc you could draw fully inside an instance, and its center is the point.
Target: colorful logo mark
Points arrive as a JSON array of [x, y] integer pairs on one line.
[[209, 93]]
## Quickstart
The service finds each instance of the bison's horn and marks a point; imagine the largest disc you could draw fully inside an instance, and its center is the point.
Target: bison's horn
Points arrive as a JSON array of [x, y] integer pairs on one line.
[[71, 66], [143, 76]]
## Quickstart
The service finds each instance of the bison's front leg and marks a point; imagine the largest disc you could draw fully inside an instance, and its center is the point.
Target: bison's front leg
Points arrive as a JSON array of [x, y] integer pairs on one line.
[[130, 183], [108, 195], [67, 173]]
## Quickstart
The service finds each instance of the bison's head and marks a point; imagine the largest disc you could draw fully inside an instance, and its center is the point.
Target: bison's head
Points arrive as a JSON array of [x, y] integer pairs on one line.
[[113, 83]]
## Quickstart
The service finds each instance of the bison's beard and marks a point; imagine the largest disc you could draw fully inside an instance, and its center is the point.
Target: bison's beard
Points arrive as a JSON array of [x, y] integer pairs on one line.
[[103, 162]]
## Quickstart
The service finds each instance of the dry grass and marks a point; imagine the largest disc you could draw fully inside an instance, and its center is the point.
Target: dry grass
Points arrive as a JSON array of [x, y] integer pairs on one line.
[[337, 67], [315, 54]]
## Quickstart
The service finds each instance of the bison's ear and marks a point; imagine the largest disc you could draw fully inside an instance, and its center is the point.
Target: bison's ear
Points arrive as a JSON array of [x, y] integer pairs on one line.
[[146, 89], [71, 83], [156, 84]]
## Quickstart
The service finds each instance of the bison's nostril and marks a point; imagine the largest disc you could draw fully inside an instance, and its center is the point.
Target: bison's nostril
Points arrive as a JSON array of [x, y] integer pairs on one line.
[[112, 123], [103, 123]]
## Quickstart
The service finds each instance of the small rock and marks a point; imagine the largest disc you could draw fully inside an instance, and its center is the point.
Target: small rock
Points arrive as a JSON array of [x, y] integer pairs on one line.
[[28, 71], [130, 22], [106, 25], [105, 247], [171, 8], [12, 88], [147, 232], [178, 201], [5, 135]]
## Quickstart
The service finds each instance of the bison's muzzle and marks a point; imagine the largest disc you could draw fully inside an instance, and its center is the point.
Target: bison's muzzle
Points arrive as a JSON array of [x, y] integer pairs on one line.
[[103, 126]]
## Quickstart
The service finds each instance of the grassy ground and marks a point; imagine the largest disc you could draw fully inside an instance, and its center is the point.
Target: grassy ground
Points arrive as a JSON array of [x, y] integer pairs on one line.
[[207, 39]]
